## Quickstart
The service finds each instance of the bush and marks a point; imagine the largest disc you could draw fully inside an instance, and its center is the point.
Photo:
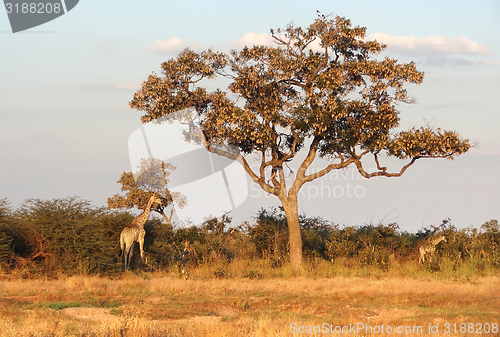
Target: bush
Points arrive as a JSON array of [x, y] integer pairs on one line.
[[69, 236], [5, 238], [270, 233]]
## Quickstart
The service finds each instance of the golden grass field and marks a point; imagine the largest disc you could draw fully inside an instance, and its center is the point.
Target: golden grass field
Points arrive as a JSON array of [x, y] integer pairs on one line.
[[164, 304]]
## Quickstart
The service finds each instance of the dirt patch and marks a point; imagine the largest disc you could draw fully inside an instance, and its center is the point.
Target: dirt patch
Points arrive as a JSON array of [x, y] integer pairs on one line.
[[226, 311], [103, 315], [388, 315], [90, 314], [195, 319]]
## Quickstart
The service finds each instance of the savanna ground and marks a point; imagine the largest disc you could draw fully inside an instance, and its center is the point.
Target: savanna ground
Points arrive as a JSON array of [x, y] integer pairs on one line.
[[246, 298], [60, 275]]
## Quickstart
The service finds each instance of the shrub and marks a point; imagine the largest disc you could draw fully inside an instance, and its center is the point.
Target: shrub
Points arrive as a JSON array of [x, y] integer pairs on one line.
[[270, 233], [70, 235]]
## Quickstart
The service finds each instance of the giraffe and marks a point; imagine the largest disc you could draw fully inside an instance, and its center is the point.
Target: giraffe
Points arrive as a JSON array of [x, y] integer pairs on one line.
[[429, 248], [135, 233], [183, 259]]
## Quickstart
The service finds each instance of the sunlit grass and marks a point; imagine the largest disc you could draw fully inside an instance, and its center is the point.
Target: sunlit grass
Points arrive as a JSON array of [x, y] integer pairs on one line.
[[254, 299]]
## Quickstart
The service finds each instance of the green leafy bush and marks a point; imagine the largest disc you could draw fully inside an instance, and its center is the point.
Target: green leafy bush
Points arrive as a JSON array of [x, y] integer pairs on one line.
[[70, 236]]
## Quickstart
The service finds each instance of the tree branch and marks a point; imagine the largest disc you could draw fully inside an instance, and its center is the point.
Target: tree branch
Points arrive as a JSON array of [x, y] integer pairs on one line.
[[383, 172], [343, 163], [301, 172], [316, 72], [259, 180], [378, 164]]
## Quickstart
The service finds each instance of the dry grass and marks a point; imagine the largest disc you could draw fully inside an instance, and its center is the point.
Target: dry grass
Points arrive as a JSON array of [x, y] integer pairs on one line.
[[161, 304]]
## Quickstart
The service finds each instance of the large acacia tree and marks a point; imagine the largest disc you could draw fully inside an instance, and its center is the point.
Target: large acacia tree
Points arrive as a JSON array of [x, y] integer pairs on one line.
[[321, 89]]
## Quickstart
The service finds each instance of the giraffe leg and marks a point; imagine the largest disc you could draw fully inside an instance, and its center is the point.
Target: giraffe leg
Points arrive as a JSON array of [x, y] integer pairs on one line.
[[125, 255], [123, 247], [141, 247], [130, 253], [125, 260]]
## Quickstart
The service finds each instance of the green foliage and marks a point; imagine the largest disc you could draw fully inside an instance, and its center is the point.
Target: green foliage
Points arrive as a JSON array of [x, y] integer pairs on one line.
[[5, 244], [489, 245], [270, 233], [370, 245], [5, 237], [64, 305], [220, 243], [315, 234], [159, 244], [4, 208], [69, 236], [150, 179], [252, 274], [15, 241], [221, 273]]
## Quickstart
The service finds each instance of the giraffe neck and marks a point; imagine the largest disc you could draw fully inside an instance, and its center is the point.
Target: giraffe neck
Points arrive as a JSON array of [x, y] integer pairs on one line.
[[145, 214], [438, 240]]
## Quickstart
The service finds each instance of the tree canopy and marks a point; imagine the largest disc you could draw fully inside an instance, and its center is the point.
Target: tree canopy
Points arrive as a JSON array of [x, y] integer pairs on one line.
[[151, 178], [321, 89]]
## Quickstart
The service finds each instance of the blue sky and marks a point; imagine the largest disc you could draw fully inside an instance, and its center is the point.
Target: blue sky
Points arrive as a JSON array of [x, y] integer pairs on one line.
[[65, 88]]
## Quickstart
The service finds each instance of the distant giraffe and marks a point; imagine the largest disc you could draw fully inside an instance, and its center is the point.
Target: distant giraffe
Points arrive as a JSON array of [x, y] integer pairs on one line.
[[183, 259], [429, 249], [135, 233]]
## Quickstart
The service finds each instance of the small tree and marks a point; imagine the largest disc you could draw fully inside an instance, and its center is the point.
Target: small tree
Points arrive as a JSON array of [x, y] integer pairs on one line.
[[4, 208], [152, 177], [5, 238], [335, 100]]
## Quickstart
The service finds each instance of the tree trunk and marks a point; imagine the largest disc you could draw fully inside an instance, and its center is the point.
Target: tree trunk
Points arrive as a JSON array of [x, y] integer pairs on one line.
[[169, 222], [290, 207]]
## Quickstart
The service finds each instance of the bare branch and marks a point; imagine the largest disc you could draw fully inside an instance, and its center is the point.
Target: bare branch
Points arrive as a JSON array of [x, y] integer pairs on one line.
[[343, 163], [378, 164], [383, 172], [259, 180], [301, 173]]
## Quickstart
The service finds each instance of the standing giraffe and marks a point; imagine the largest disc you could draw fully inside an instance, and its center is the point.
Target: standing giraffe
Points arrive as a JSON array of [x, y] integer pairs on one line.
[[135, 233], [183, 259], [429, 249]]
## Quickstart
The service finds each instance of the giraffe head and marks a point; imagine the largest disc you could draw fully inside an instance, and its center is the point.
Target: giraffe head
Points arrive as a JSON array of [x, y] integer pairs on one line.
[[444, 238], [155, 200]]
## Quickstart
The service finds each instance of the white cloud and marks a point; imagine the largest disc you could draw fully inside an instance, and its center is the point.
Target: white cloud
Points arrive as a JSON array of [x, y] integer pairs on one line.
[[456, 61], [174, 45], [430, 45], [127, 85], [253, 39], [124, 85]]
